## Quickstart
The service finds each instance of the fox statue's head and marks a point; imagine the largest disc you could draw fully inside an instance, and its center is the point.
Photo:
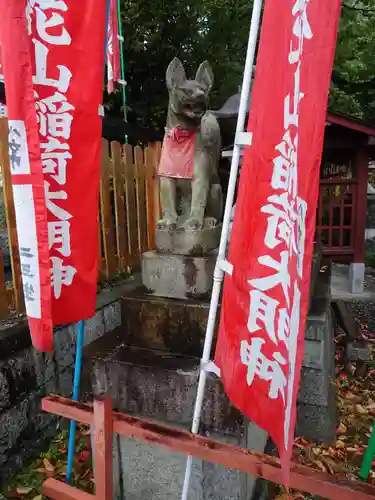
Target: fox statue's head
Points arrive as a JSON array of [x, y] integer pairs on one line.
[[188, 99]]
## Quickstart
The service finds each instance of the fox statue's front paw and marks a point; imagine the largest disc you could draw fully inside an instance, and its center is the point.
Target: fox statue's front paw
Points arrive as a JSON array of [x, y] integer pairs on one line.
[[166, 223], [193, 224]]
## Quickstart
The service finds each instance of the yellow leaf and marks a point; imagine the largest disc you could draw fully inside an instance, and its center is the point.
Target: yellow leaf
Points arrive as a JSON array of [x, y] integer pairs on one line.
[[23, 490], [359, 409], [341, 428], [47, 464], [316, 451], [340, 444], [38, 497]]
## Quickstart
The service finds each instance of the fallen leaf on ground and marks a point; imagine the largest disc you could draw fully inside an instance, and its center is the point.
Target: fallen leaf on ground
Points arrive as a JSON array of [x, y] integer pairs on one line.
[[23, 490], [330, 464], [340, 444], [320, 465], [360, 409], [47, 464], [341, 429]]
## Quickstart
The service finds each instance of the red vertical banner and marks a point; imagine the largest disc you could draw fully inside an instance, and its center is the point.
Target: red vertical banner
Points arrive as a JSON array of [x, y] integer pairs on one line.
[[53, 58], [113, 47], [1, 67], [67, 41], [265, 302], [26, 171]]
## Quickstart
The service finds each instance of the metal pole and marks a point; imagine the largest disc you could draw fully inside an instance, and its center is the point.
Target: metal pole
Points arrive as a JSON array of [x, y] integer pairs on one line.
[[219, 273], [122, 64], [76, 387]]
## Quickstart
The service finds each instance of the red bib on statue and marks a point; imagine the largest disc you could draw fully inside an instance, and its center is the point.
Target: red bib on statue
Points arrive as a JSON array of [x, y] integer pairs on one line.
[[177, 155]]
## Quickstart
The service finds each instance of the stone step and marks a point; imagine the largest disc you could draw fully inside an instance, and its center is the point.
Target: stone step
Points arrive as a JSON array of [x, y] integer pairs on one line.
[[177, 326], [162, 386], [318, 367], [156, 384]]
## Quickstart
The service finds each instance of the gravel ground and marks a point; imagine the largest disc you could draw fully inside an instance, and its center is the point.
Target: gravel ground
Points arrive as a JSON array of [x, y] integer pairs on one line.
[[364, 312]]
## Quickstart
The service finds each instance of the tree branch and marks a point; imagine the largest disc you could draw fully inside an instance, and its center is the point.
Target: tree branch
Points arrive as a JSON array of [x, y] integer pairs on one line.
[[359, 9]]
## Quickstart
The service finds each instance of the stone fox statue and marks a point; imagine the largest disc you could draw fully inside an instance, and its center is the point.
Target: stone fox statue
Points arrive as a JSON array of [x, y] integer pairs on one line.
[[190, 191]]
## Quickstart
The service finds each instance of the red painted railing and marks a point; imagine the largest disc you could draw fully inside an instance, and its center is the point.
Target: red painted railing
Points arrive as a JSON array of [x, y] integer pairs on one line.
[[105, 422]]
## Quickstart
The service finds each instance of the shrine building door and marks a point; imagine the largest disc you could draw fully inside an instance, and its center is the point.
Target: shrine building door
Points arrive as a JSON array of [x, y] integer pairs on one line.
[[340, 203]]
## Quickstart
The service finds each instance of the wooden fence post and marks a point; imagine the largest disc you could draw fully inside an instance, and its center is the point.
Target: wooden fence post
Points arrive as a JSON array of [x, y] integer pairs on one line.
[[141, 198], [106, 212], [130, 201], [103, 442], [119, 202], [10, 215], [150, 196]]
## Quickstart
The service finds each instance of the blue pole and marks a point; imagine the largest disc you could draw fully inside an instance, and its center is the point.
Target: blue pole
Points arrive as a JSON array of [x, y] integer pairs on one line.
[[76, 386]]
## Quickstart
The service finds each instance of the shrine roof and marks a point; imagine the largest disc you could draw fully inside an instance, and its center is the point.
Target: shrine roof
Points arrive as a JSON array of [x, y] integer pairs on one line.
[[351, 123]]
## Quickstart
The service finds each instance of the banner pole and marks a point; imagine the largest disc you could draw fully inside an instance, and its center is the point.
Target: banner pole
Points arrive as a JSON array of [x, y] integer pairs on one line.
[[76, 387], [221, 264], [122, 65]]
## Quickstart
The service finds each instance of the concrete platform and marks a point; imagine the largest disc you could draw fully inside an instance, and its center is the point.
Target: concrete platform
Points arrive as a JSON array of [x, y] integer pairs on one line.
[[341, 286]]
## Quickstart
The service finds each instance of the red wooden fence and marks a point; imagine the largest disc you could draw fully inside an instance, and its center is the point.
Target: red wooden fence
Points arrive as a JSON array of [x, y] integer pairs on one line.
[[105, 422]]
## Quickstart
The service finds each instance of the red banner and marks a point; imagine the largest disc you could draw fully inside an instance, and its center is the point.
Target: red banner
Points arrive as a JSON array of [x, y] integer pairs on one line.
[[68, 48], [26, 170], [60, 44], [113, 47], [1, 67], [265, 302]]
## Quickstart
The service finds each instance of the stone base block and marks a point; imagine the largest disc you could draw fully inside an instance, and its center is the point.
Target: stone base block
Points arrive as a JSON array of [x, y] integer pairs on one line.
[[318, 370], [188, 242], [170, 325], [316, 418], [317, 423], [162, 386], [178, 276], [356, 278]]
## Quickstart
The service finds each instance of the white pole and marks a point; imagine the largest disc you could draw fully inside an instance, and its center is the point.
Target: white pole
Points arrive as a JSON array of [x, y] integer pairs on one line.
[[219, 273]]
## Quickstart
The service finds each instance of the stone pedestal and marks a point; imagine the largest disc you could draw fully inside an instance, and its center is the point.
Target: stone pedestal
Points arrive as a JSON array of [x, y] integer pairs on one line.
[[162, 386], [150, 368], [177, 326], [183, 264], [178, 276], [188, 242], [316, 415]]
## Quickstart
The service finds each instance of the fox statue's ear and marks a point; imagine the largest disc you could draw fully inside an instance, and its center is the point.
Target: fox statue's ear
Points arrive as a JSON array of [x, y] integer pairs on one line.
[[175, 74], [205, 75]]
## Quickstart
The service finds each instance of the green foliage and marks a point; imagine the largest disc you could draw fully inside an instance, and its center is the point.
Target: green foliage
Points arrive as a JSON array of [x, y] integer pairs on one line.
[[217, 30], [370, 259], [353, 79], [193, 30]]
